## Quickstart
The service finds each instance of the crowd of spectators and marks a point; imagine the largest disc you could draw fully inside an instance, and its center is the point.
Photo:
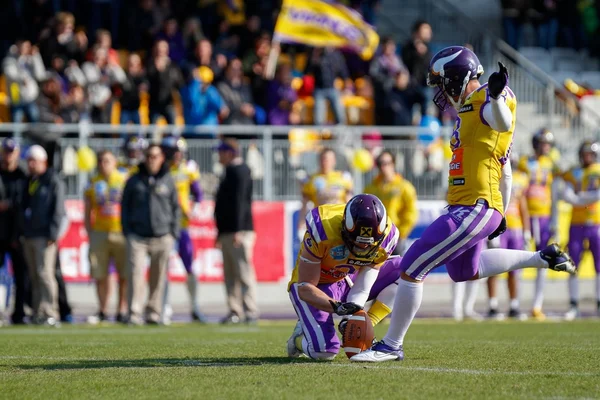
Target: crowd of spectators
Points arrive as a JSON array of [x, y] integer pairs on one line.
[[197, 63], [556, 23]]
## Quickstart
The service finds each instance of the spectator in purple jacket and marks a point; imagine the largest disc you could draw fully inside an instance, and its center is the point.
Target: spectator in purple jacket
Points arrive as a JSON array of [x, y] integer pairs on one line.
[[171, 34], [280, 97]]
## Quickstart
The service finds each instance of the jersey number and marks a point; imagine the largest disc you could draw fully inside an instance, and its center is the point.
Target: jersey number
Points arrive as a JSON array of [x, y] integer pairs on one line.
[[455, 138]]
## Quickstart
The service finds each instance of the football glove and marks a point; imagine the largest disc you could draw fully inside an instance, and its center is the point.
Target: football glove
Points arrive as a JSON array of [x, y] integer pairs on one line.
[[499, 230], [340, 308], [498, 81]]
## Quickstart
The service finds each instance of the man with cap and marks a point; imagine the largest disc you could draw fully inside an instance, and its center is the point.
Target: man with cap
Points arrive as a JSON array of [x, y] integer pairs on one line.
[[12, 183], [150, 218], [42, 215], [233, 215]]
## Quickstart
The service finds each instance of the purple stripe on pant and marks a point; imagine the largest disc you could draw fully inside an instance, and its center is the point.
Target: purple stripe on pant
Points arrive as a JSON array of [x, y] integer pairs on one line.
[[318, 326], [512, 239], [577, 235], [186, 250], [540, 230], [455, 239]]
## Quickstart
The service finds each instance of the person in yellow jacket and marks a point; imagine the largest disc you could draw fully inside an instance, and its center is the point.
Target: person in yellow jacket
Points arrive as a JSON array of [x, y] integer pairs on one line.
[[327, 186], [103, 225], [398, 196]]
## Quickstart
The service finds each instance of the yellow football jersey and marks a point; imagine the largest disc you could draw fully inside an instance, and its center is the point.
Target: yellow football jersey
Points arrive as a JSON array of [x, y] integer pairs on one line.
[[400, 200], [478, 152], [331, 188], [323, 239], [127, 169], [514, 219], [105, 200], [186, 176], [541, 172], [583, 180]]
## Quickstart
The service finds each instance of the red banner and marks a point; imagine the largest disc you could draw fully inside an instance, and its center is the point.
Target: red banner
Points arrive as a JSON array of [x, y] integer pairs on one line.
[[269, 257]]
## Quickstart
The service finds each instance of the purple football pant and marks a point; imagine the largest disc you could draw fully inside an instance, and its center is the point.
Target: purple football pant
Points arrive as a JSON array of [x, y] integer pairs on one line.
[[455, 239], [186, 250], [540, 230], [577, 235], [318, 326], [512, 239]]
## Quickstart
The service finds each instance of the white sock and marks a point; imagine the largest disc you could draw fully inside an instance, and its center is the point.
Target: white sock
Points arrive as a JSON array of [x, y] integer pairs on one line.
[[497, 261], [573, 289], [597, 287], [514, 304], [471, 295], [494, 303], [192, 286], [458, 297], [407, 303], [538, 297], [387, 295]]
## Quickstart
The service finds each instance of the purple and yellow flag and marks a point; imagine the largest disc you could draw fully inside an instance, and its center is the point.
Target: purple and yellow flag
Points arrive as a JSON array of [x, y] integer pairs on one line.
[[321, 24]]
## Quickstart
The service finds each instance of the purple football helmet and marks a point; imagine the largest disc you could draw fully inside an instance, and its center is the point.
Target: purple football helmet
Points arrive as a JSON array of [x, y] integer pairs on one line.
[[134, 147], [364, 225], [450, 70]]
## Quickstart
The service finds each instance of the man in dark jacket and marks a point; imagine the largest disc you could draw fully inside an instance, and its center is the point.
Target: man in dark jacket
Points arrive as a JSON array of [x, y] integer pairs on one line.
[[12, 183], [150, 221], [43, 212], [233, 215]]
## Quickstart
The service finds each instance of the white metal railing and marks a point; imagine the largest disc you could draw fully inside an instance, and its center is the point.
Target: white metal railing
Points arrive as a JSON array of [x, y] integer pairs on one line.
[[278, 162]]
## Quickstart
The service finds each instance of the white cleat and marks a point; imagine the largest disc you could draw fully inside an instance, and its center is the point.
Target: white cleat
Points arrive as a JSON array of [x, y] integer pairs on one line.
[[292, 350], [379, 352], [572, 314]]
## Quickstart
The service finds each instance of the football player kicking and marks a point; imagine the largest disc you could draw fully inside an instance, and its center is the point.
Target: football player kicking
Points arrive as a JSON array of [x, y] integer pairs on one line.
[[478, 194], [343, 263]]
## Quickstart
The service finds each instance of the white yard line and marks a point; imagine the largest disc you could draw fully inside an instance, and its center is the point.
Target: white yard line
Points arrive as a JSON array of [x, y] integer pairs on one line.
[[398, 367], [460, 371]]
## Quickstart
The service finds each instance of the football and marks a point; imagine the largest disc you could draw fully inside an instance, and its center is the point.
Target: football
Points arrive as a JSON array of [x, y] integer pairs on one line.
[[359, 334]]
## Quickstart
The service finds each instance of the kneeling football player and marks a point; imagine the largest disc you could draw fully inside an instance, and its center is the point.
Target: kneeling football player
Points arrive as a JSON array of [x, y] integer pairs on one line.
[[344, 262]]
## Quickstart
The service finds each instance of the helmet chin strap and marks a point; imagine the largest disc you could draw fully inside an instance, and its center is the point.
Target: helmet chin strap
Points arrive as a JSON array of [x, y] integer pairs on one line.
[[458, 104]]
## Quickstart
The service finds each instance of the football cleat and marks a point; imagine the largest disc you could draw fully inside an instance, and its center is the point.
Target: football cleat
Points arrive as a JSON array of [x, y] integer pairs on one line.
[[292, 350], [572, 314], [558, 260], [379, 352], [537, 314], [514, 313]]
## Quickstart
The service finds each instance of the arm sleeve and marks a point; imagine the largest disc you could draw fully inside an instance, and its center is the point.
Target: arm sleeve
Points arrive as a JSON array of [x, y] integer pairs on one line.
[[312, 246], [579, 199], [506, 184], [176, 212], [11, 69], [498, 115], [237, 186], [39, 71], [196, 191], [364, 281], [125, 200]]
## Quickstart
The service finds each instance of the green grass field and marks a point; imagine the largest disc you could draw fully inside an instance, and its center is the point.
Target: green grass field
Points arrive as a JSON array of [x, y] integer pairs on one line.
[[444, 360]]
